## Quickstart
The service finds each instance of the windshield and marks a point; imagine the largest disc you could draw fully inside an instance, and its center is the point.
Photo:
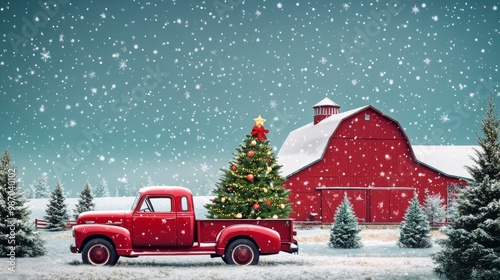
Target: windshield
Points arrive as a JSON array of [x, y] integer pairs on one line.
[[134, 205]]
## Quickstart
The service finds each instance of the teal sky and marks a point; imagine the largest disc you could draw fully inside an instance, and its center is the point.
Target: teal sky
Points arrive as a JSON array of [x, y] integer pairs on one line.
[[168, 89]]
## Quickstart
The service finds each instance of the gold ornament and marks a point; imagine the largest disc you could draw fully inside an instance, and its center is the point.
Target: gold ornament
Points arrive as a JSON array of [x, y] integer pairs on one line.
[[282, 206], [264, 190], [275, 217], [253, 142], [223, 199], [269, 169], [259, 121], [239, 215]]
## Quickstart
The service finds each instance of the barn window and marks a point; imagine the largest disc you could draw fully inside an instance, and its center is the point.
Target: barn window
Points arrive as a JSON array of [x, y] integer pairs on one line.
[[367, 117]]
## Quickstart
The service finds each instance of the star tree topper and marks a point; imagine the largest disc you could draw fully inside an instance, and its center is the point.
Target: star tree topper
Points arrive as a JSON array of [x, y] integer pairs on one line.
[[259, 129]]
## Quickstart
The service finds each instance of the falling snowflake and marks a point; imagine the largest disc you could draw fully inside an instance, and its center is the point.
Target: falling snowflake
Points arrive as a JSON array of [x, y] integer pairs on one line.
[[427, 61], [45, 56], [92, 75], [435, 18], [204, 167], [42, 109], [123, 65], [415, 9], [116, 55], [323, 60], [346, 6], [93, 90], [273, 104], [444, 118], [187, 95], [103, 15], [258, 13]]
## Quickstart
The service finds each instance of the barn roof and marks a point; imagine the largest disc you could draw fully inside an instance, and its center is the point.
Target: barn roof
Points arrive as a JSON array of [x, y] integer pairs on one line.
[[307, 144]]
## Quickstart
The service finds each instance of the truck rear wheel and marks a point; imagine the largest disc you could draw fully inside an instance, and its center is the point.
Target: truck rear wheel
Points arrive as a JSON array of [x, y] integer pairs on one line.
[[99, 252], [242, 252]]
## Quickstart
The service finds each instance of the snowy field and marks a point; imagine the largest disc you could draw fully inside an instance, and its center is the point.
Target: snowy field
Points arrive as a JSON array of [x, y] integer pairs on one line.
[[380, 258]]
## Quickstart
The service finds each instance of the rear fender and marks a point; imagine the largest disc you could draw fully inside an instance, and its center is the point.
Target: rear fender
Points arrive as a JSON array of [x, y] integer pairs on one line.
[[267, 240], [118, 236]]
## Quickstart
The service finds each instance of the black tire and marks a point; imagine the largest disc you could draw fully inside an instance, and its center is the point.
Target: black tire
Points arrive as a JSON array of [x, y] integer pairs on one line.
[[242, 252], [99, 252]]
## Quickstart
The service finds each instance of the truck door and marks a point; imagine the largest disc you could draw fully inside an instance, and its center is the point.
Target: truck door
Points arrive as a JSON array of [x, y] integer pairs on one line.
[[154, 223]]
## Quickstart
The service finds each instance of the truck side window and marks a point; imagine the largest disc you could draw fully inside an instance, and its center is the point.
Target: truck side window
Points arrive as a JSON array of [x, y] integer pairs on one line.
[[161, 204], [184, 204]]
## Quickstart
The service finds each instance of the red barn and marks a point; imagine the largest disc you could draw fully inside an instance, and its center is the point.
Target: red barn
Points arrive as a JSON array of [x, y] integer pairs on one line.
[[367, 155]]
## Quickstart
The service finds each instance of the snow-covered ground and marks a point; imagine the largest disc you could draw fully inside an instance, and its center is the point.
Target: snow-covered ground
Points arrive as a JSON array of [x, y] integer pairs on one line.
[[380, 258]]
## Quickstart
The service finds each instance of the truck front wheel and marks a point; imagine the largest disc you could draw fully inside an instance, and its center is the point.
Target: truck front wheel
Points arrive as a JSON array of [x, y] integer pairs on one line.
[[99, 252], [242, 252]]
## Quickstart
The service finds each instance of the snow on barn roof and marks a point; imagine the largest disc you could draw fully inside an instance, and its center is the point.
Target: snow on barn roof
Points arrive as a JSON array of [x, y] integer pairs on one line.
[[450, 160], [307, 144]]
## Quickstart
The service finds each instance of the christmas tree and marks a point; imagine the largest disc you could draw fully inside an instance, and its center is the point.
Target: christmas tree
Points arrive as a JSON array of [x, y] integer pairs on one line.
[[251, 187], [56, 213], [472, 249], [17, 234], [345, 230], [414, 230], [85, 202]]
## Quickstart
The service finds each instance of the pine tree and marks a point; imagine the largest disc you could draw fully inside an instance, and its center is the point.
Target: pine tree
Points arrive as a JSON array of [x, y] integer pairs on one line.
[[25, 242], [472, 249], [345, 229], [102, 189], [414, 230], [56, 213], [85, 202], [252, 186], [434, 208], [150, 182], [42, 189]]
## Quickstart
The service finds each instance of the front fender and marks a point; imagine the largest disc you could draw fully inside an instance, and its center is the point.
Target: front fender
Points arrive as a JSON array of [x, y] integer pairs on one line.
[[119, 236], [267, 240]]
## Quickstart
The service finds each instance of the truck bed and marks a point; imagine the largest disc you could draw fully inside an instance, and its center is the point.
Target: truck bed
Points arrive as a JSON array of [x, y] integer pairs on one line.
[[208, 229]]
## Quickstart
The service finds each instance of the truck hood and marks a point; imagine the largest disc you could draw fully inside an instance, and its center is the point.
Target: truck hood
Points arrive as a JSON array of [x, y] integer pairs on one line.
[[103, 217]]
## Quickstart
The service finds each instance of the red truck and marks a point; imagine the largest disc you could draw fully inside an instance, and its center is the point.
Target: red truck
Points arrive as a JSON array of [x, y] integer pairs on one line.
[[162, 223]]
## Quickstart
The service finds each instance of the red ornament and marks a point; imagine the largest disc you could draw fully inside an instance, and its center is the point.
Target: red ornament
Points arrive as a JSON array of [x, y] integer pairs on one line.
[[250, 177], [214, 200], [230, 189], [250, 153], [260, 131], [268, 203], [234, 167], [256, 206]]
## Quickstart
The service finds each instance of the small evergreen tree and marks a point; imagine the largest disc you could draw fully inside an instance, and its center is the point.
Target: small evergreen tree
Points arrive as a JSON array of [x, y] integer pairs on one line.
[[251, 187], [25, 242], [42, 189], [414, 230], [150, 182], [56, 213], [345, 230], [85, 202], [102, 189], [434, 208]]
